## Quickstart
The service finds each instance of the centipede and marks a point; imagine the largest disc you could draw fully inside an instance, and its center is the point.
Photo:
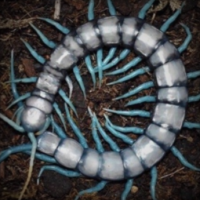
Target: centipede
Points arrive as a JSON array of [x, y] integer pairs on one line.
[[143, 147]]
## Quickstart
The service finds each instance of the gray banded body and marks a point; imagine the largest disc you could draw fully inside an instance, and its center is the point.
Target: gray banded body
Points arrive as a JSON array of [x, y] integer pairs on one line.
[[167, 117]]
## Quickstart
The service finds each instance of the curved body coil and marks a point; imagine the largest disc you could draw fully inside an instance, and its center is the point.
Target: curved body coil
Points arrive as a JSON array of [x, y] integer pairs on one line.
[[167, 117], [157, 137]]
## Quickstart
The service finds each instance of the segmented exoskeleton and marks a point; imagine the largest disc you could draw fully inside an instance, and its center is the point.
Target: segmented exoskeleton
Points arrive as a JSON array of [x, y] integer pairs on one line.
[[167, 117]]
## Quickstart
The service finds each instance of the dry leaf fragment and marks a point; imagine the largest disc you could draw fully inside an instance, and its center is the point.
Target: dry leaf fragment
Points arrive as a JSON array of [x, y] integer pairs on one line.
[[12, 24]]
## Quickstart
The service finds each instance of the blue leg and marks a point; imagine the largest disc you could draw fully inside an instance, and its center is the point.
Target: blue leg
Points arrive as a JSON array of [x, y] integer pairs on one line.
[[44, 39], [131, 75], [57, 25], [26, 80], [67, 100], [127, 189], [194, 98], [95, 135], [12, 124], [90, 69], [42, 157], [140, 88], [154, 176], [59, 113], [166, 25], [134, 130], [178, 154], [79, 80], [38, 57], [65, 172], [144, 9], [18, 115], [191, 125], [115, 61], [96, 188], [131, 113], [58, 130], [141, 100], [46, 125], [75, 128], [19, 99], [12, 150], [113, 145], [117, 134], [192, 75]]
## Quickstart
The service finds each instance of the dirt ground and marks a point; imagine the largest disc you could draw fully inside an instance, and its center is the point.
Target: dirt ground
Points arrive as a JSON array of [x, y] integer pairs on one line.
[[174, 180]]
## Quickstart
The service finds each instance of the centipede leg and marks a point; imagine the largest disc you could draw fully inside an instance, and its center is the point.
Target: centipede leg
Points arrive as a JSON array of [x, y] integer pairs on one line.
[[96, 188], [181, 158]]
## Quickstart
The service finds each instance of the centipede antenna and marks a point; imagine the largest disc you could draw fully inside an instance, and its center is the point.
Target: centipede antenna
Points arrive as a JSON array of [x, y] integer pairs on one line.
[[24, 80], [12, 78], [58, 130], [44, 39], [19, 99], [133, 129], [59, 113], [67, 100], [181, 158], [70, 85], [65, 172], [91, 10], [90, 69], [127, 189], [113, 145], [136, 90], [191, 125], [75, 128], [140, 100], [38, 57], [117, 134], [132, 75], [11, 123], [31, 163], [95, 135], [187, 40], [154, 176], [96, 188], [79, 80], [143, 11], [194, 98], [6, 153], [57, 25], [169, 21], [131, 113], [192, 75]]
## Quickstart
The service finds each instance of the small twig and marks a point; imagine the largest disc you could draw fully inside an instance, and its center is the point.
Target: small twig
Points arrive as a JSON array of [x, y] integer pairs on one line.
[[56, 15], [171, 174]]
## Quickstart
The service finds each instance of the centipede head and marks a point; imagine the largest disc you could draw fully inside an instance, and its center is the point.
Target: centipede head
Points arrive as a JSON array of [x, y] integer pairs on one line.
[[33, 119]]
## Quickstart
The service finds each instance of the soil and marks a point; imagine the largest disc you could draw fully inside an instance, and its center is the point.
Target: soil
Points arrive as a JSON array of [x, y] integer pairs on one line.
[[174, 180]]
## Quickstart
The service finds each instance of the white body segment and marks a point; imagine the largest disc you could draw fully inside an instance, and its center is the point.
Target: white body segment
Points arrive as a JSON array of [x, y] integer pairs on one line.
[[169, 112]]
